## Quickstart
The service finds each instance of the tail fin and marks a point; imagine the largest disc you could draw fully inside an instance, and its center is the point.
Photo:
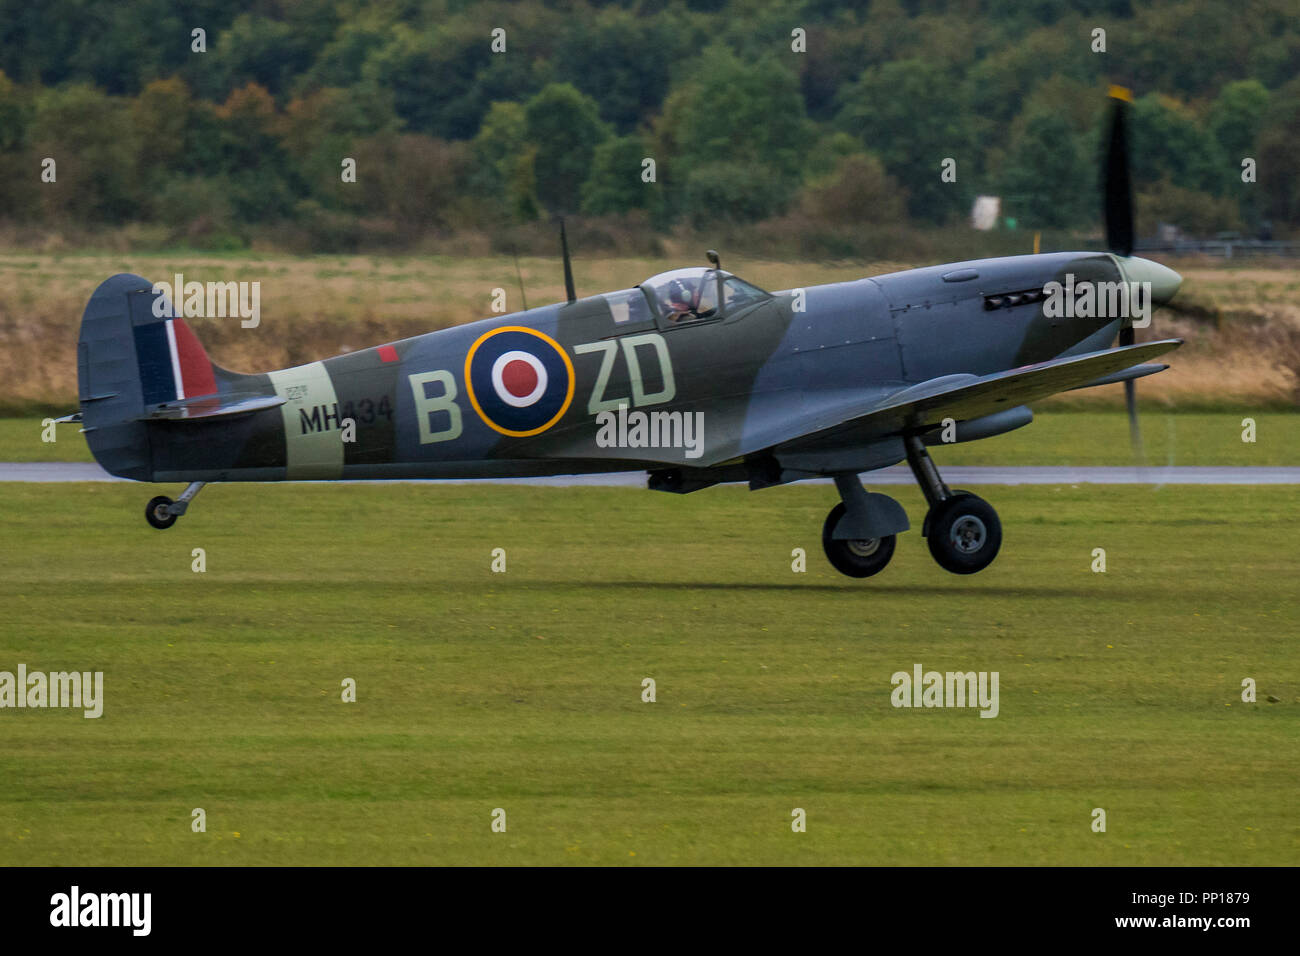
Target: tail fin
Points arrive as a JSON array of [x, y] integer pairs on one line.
[[133, 358], [173, 363]]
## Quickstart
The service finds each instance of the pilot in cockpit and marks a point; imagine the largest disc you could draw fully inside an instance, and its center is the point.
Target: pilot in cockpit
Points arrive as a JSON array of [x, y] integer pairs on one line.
[[682, 298]]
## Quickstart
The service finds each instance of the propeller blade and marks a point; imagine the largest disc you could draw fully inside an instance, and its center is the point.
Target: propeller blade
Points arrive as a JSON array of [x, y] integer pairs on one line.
[[1117, 189], [1134, 431], [1117, 212], [1127, 337]]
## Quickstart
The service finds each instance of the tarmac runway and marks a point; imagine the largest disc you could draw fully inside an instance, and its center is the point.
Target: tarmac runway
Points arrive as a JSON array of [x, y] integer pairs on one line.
[[50, 472]]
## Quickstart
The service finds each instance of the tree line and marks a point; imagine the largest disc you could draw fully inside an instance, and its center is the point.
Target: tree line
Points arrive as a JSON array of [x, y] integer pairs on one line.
[[357, 122]]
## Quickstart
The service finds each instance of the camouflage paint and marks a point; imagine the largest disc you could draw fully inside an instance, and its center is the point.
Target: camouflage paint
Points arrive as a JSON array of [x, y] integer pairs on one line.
[[763, 375]]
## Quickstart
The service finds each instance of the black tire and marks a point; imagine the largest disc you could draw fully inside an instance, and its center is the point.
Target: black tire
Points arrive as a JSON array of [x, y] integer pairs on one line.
[[953, 493], [857, 559], [964, 534], [156, 515]]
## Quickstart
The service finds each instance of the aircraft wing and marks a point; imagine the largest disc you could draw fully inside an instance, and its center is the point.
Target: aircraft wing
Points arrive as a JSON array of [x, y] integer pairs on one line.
[[960, 397]]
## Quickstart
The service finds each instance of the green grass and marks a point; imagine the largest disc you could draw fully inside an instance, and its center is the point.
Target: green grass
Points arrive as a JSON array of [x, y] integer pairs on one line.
[[22, 439], [1169, 438], [522, 690], [1056, 437]]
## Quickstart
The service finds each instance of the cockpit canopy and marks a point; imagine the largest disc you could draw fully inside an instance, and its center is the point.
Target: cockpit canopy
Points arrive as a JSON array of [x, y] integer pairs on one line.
[[692, 295]]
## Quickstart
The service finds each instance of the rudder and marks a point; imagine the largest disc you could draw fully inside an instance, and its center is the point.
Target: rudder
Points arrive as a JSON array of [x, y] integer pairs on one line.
[[130, 361]]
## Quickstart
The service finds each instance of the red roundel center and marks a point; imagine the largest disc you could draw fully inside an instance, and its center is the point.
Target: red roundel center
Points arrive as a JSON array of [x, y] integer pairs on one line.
[[519, 378]]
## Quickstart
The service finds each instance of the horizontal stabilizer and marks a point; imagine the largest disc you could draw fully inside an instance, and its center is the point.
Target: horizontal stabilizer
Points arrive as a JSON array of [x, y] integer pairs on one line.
[[210, 406]]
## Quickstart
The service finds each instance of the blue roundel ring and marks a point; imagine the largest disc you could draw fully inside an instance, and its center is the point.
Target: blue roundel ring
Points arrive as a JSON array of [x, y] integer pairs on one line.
[[519, 381]]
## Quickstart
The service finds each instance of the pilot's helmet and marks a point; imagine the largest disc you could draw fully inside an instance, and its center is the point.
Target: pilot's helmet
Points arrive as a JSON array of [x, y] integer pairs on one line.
[[679, 291]]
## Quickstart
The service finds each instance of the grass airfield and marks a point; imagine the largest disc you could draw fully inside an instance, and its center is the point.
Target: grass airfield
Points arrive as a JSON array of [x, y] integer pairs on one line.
[[522, 690]]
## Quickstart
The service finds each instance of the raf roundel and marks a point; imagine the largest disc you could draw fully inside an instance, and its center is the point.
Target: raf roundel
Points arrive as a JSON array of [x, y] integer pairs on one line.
[[519, 380]]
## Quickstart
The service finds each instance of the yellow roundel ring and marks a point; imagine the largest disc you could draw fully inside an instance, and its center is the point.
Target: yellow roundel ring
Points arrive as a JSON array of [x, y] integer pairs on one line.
[[552, 373]]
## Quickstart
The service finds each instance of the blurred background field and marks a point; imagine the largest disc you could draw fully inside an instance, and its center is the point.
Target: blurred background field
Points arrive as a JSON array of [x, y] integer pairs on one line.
[[1242, 324]]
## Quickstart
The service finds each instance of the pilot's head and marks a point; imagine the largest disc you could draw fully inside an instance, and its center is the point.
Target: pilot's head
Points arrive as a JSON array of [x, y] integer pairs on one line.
[[681, 294]]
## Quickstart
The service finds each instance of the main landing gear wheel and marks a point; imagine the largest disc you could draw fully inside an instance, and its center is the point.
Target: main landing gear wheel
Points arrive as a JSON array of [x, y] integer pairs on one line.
[[158, 512], [964, 533], [856, 558]]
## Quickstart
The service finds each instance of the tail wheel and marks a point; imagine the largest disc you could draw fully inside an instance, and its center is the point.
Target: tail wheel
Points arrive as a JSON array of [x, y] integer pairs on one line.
[[856, 558], [157, 512], [964, 534]]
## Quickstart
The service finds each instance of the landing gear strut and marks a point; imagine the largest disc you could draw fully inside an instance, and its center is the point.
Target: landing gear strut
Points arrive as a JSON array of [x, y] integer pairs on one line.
[[962, 530], [162, 512], [860, 532]]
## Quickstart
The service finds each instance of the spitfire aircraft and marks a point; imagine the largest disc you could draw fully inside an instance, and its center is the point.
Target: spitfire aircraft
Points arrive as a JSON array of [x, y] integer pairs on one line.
[[694, 376]]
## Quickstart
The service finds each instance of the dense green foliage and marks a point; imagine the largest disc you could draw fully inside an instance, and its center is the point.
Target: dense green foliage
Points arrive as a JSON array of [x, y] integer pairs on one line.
[[751, 110]]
